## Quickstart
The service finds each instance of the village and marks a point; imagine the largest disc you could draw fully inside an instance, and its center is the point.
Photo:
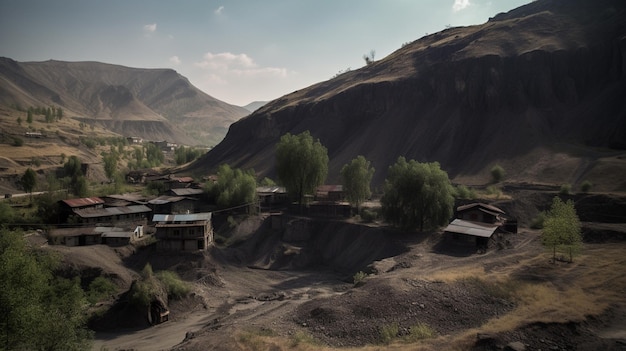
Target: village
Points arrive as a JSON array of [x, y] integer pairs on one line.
[[180, 220]]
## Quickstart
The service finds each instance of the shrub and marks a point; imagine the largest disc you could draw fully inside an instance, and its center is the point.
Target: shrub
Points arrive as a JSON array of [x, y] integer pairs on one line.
[[566, 189], [585, 186], [302, 337], [98, 289], [537, 222], [359, 277], [388, 332], [463, 192], [497, 173], [368, 216], [494, 191], [176, 287], [18, 141], [420, 331]]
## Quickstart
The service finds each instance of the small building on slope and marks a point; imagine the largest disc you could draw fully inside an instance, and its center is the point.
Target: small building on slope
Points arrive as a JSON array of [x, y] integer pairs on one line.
[[183, 232], [475, 224]]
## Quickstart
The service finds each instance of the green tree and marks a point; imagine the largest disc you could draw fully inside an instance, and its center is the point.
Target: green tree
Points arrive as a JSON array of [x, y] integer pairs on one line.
[[356, 177], [7, 215], [28, 181], [233, 187], [497, 173], [562, 229], [59, 113], [29, 116], [301, 164], [19, 120], [154, 155], [110, 164], [73, 167], [30, 294], [417, 195]]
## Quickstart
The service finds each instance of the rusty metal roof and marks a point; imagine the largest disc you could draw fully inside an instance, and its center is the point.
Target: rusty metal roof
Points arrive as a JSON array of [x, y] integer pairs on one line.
[[483, 230], [83, 202]]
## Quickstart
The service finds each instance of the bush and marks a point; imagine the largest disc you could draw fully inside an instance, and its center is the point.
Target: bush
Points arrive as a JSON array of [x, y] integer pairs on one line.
[[388, 332], [497, 173], [463, 192], [368, 216], [176, 287], [359, 277], [537, 222], [18, 141], [420, 331], [494, 191], [585, 186], [98, 289], [566, 189]]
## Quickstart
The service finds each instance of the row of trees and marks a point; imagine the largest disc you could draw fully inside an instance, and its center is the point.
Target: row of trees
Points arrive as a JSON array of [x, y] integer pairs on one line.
[[416, 195]]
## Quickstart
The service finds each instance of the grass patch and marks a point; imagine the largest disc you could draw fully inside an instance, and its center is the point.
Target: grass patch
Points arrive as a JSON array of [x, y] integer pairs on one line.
[[420, 331], [499, 289], [98, 289], [388, 333], [302, 337], [255, 339], [176, 287]]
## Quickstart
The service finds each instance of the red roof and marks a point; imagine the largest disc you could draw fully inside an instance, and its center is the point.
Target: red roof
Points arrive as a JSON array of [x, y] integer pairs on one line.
[[87, 201]]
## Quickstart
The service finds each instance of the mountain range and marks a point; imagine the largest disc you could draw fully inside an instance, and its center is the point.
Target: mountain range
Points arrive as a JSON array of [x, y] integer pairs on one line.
[[155, 104], [538, 90]]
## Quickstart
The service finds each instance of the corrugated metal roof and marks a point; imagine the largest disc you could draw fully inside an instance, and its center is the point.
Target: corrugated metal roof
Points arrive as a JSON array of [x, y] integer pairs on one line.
[[187, 191], [161, 200], [111, 211], [483, 230], [182, 217], [87, 201], [479, 204], [271, 189]]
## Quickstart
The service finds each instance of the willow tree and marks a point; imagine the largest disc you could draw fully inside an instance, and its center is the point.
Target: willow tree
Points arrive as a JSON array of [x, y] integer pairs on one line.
[[356, 177], [417, 195], [301, 164], [561, 229]]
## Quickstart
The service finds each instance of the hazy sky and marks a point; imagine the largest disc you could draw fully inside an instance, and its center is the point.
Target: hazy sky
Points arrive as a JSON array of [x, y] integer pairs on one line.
[[237, 51]]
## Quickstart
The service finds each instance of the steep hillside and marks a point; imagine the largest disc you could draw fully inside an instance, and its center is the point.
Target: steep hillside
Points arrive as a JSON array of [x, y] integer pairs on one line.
[[151, 103], [538, 90]]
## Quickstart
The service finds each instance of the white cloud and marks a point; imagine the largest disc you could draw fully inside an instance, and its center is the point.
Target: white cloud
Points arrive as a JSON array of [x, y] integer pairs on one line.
[[219, 10], [226, 61], [460, 5], [175, 60], [150, 28]]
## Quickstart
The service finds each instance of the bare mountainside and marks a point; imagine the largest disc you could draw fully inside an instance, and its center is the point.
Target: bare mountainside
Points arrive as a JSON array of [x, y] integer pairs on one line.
[[150, 103], [539, 90]]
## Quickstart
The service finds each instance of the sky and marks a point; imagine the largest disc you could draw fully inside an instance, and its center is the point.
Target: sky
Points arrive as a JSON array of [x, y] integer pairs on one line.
[[237, 51]]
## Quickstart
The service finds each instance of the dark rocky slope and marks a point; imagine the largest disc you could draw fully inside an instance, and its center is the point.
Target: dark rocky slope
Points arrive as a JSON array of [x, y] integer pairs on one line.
[[546, 77]]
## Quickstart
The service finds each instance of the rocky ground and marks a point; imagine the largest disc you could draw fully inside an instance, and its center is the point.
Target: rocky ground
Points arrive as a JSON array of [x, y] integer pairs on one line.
[[507, 298]]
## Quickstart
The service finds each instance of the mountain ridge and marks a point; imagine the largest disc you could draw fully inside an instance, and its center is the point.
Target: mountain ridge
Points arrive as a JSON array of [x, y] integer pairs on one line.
[[516, 90], [114, 95]]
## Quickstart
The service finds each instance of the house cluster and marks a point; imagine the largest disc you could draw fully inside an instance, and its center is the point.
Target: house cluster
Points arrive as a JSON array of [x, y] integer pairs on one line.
[[179, 218], [164, 145], [123, 219], [476, 223]]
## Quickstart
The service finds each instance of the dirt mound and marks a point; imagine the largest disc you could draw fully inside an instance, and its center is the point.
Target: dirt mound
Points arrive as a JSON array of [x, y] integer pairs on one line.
[[358, 317]]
